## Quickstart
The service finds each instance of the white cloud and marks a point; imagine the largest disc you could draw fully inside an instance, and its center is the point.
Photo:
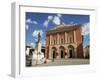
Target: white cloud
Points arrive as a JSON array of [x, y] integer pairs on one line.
[[30, 21], [46, 22], [32, 44], [57, 20], [50, 17], [85, 29], [59, 15], [27, 27], [35, 33], [35, 38], [35, 22]]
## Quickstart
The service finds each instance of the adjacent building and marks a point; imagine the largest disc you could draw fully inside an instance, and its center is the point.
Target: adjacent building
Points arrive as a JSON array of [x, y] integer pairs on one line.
[[86, 51], [64, 41]]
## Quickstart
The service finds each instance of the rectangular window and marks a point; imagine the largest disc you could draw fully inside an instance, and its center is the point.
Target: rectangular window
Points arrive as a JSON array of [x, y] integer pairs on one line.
[[61, 41], [54, 41], [70, 40]]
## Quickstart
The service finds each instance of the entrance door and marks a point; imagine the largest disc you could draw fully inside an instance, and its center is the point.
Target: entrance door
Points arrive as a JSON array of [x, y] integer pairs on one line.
[[62, 54], [70, 51], [54, 54]]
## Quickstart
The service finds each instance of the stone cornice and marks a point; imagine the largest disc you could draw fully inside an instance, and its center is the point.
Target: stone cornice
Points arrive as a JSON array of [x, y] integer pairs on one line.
[[64, 28]]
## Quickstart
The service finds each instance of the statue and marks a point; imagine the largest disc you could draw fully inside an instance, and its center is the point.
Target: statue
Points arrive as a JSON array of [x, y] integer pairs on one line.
[[38, 56], [39, 36]]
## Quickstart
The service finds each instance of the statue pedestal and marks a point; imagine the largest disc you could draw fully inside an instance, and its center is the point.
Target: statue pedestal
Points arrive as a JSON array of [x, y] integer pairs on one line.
[[38, 47], [38, 56]]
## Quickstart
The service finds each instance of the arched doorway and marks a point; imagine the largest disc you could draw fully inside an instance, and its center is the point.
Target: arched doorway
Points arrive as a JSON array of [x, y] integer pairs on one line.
[[71, 51], [62, 54], [54, 52], [62, 51]]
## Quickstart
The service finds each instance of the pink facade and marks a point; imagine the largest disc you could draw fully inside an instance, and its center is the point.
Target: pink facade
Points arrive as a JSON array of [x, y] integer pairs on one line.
[[64, 41]]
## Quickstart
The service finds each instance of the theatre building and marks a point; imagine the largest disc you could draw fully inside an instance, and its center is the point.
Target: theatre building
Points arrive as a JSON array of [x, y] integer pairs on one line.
[[64, 41]]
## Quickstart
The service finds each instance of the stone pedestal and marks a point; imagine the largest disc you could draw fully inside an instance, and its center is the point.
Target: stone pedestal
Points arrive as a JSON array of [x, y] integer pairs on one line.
[[38, 56], [38, 47]]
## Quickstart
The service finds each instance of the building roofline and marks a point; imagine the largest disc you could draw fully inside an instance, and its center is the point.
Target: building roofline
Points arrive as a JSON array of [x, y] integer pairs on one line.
[[63, 28]]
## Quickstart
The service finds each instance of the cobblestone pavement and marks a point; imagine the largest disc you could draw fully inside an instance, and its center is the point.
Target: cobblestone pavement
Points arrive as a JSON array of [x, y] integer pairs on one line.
[[65, 62]]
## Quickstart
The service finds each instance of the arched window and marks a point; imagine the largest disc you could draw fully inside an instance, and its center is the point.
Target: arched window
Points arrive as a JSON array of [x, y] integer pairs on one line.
[[61, 41], [54, 41], [71, 37]]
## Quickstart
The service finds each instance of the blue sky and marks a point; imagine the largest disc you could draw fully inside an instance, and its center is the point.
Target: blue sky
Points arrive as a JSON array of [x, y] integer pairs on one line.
[[41, 22]]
